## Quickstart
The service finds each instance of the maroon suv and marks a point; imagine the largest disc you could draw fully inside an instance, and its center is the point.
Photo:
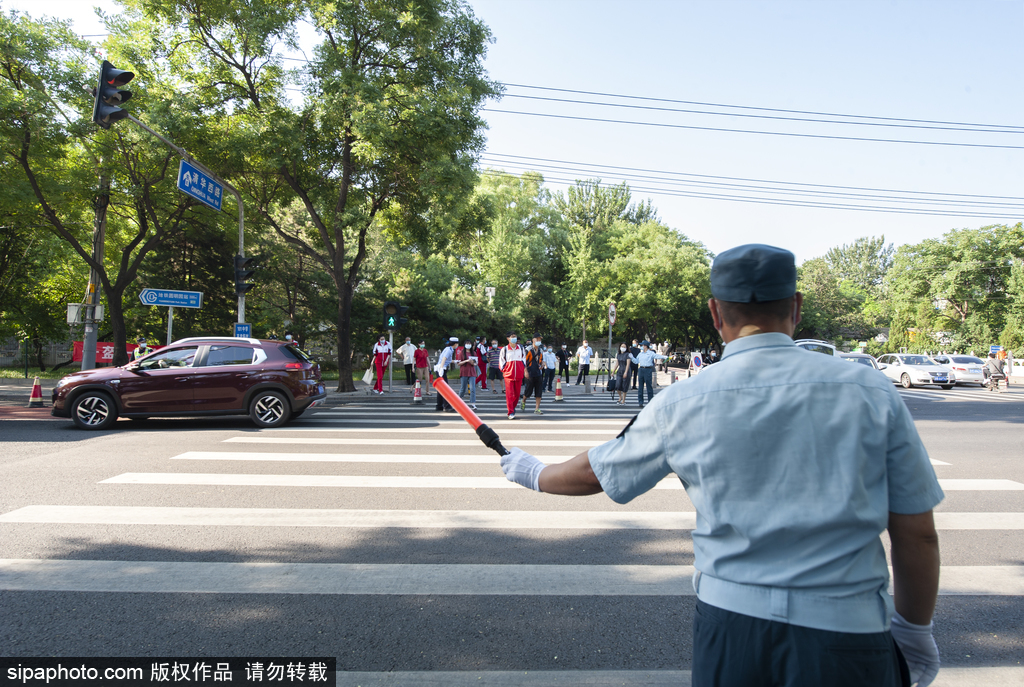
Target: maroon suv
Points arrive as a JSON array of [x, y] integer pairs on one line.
[[270, 381]]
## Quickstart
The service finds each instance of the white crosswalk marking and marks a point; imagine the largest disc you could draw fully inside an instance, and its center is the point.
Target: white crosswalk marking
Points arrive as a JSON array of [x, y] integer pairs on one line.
[[387, 443], [424, 578]]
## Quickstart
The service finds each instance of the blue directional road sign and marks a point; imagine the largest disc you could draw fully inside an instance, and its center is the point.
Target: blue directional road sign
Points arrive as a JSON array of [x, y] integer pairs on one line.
[[243, 330], [177, 299], [199, 185]]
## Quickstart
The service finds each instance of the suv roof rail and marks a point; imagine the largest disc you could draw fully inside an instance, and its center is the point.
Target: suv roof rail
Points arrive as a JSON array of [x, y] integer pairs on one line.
[[216, 338]]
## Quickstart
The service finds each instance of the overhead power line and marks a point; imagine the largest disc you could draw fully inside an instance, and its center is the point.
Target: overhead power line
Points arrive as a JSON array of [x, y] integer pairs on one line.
[[750, 131], [759, 191], [771, 117], [764, 109]]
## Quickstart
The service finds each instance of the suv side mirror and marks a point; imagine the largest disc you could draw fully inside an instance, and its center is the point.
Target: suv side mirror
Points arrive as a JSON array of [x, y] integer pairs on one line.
[[882, 366]]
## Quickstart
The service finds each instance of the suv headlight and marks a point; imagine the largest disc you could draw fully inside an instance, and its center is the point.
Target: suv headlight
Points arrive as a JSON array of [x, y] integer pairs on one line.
[[62, 382]]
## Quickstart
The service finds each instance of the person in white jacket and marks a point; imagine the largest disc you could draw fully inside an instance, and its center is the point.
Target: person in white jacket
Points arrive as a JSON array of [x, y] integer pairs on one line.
[[408, 352]]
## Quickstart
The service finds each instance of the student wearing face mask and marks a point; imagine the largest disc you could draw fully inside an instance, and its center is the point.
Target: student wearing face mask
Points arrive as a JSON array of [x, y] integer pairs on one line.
[[381, 356], [466, 359], [493, 367], [408, 351], [623, 365], [510, 361], [634, 350], [550, 361], [583, 356], [422, 361], [481, 363], [533, 360]]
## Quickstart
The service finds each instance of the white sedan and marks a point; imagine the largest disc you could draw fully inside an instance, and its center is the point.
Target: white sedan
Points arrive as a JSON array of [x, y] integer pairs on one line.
[[966, 368], [909, 369]]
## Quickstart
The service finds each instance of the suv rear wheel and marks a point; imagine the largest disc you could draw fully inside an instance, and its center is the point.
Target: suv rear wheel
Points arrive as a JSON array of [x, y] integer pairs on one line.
[[269, 409], [94, 410]]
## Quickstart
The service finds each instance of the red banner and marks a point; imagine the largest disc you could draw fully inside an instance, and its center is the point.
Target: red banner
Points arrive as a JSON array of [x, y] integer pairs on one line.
[[104, 352]]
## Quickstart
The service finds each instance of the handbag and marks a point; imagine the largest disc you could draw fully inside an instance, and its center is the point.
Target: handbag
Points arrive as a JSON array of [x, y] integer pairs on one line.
[[613, 384], [368, 376]]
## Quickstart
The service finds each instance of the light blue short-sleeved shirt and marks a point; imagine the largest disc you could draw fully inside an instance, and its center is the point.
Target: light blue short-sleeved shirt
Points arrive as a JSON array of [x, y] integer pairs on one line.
[[793, 461]]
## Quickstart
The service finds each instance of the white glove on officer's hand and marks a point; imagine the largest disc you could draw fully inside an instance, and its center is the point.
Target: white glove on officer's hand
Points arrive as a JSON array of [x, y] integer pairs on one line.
[[522, 468], [918, 646]]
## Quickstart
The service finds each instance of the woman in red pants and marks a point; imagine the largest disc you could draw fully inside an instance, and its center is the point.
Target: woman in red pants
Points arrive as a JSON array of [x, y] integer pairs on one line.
[[512, 368], [381, 356]]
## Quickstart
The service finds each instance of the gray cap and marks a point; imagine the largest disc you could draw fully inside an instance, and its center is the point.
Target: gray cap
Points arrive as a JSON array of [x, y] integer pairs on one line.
[[753, 273]]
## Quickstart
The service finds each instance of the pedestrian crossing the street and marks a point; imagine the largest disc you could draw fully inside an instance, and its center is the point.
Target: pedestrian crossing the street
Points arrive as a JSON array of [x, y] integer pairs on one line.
[[386, 469]]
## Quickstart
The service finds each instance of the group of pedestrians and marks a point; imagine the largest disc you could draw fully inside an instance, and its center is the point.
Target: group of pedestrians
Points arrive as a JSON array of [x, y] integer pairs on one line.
[[639, 362]]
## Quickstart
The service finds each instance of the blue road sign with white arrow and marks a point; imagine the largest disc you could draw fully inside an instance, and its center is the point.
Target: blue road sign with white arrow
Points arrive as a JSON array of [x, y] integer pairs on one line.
[[199, 185], [176, 299]]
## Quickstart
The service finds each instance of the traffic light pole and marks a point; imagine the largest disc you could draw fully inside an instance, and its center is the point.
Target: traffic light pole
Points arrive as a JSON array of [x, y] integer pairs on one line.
[[391, 358], [238, 199]]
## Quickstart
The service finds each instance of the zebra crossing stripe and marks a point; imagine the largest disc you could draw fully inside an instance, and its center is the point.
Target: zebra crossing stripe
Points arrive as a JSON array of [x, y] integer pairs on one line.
[[458, 429], [338, 481], [483, 458], [381, 441], [413, 519], [422, 578], [430, 482], [488, 458]]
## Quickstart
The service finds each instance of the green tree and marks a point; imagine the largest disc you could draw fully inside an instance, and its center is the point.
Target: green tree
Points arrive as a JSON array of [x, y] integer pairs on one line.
[[384, 139], [864, 263]]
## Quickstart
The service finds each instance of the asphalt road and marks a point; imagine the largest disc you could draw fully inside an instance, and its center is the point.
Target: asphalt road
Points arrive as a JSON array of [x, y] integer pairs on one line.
[[384, 534]]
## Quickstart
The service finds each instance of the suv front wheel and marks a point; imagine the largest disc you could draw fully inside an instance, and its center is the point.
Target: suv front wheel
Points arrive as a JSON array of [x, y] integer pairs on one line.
[[905, 381], [94, 410], [269, 409]]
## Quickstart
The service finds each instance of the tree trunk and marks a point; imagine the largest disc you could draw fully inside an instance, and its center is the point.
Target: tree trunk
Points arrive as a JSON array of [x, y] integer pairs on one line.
[[116, 309], [38, 345], [344, 337]]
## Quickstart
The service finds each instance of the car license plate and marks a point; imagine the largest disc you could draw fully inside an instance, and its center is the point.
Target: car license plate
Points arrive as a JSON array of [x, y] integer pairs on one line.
[[940, 379], [974, 370]]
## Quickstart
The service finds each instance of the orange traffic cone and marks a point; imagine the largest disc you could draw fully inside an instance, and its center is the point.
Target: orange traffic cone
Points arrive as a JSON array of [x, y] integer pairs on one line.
[[558, 389], [36, 399], [417, 394]]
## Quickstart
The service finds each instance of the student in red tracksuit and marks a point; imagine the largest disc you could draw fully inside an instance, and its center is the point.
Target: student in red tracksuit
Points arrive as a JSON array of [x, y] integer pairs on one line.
[[381, 356], [512, 368]]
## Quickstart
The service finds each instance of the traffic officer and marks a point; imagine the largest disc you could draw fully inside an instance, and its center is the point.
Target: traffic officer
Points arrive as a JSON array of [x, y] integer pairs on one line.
[[142, 350], [443, 361], [795, 464], [644, 361]]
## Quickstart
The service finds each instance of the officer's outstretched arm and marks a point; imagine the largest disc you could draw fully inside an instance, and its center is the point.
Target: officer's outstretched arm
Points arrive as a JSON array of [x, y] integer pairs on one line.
[[574, 477]]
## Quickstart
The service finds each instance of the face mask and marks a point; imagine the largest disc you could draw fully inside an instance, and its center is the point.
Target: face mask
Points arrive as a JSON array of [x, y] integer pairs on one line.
[[536, 344], [622, 349], [512, 340], [407, 342], [423, 345], [287, 337], [494, 344]]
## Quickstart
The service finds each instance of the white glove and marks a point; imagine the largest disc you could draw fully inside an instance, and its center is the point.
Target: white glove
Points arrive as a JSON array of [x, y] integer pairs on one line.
[[918, 646], [522, 468]]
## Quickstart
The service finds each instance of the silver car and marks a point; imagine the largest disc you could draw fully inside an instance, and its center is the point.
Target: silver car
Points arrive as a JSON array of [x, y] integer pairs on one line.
[[966, 368], [910, 369], [860, 359]]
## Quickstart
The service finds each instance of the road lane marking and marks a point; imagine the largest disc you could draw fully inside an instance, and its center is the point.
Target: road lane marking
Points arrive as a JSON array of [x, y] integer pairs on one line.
[[459, 429], [424, 578], [980, 485], [379, 441], [427, 519], [343, 481], [487, 458]]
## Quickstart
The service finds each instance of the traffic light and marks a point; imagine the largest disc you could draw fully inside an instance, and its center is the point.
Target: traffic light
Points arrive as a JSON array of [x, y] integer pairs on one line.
[[244, 268], [105, 110], [393, 315]]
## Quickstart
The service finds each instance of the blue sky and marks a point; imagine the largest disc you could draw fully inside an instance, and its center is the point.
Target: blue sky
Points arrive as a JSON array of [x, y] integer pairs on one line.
[[945, 61]]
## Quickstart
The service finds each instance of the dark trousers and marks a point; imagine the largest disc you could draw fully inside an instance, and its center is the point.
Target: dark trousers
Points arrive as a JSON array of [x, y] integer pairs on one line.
[[410, 377], [646, 377], [632, 375], [441, 403], [736, 650], [549, 378], [584, 371], [564, 370]]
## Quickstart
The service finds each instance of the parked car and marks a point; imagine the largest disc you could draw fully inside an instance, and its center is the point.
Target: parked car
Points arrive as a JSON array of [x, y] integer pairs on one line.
[[861, 359], [816, 345], [967, 368], [911, 369], [270, 381]]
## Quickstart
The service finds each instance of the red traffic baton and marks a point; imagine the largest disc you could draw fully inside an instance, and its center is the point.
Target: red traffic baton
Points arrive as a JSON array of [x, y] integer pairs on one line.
[[486, 434]]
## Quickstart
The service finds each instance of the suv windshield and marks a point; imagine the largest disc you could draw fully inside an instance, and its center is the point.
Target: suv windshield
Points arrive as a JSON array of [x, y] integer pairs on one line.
[[915, 360]]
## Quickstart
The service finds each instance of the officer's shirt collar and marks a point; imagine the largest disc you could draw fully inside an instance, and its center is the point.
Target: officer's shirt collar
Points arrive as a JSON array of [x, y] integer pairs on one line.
[[746, 343]]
